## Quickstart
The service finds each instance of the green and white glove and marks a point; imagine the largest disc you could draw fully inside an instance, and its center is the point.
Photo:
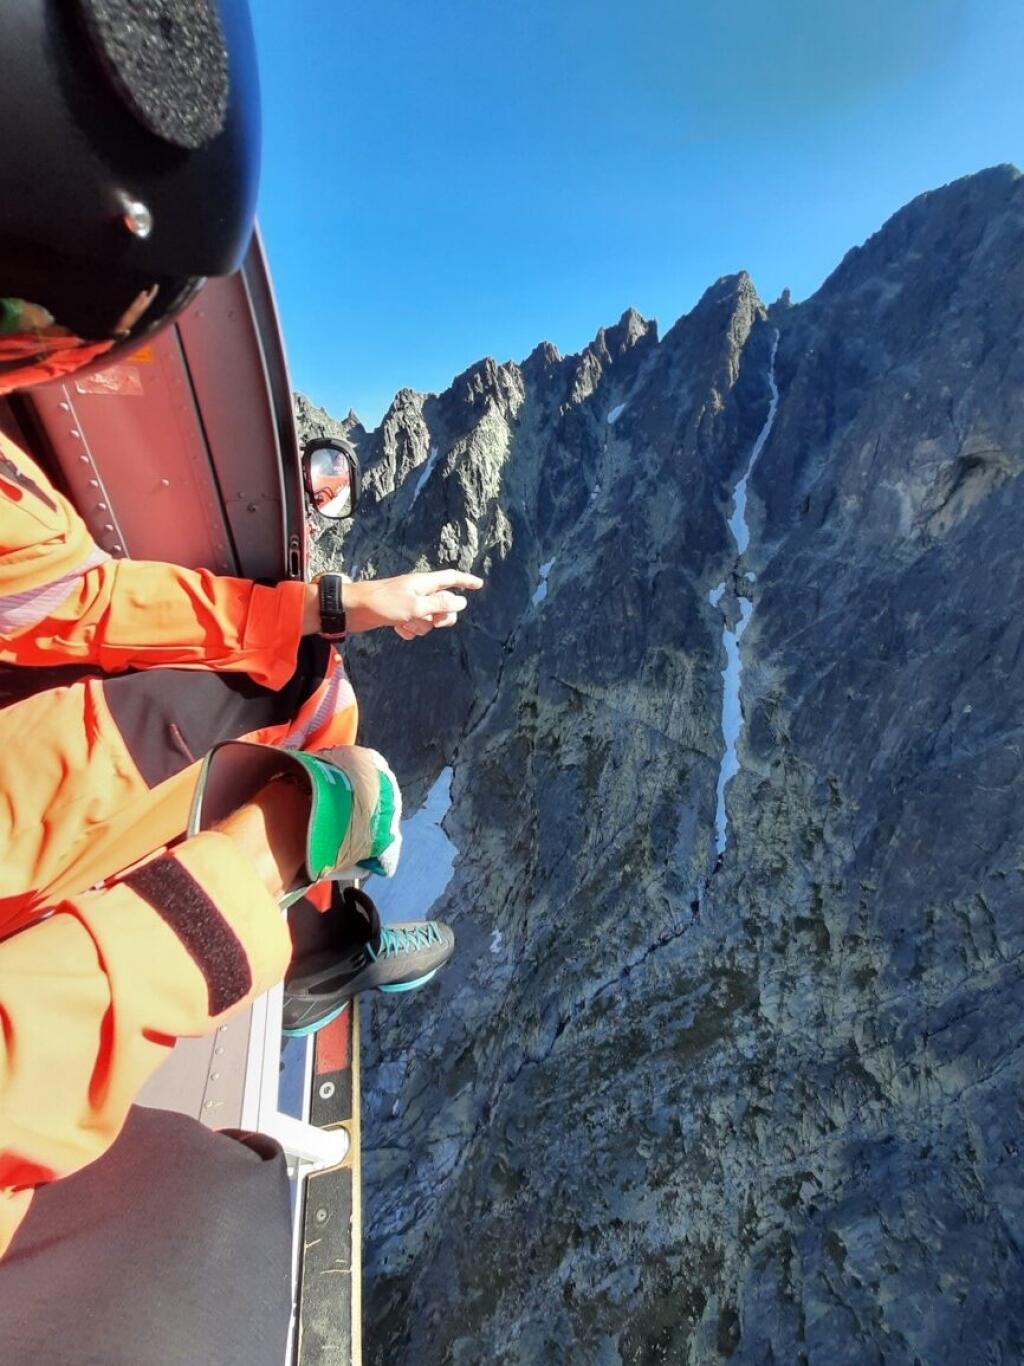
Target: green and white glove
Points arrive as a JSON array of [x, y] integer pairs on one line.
[[371, 807], [355, 804]]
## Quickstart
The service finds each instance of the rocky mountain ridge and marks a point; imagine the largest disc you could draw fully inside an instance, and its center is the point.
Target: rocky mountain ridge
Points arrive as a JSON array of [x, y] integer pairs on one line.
[[683, 1098]]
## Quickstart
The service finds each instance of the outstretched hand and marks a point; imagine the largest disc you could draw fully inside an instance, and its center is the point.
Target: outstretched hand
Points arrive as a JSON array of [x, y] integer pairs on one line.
[[413, 604]]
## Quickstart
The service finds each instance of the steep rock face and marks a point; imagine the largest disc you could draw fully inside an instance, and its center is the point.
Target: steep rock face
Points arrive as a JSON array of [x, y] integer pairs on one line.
[[667, 1105]]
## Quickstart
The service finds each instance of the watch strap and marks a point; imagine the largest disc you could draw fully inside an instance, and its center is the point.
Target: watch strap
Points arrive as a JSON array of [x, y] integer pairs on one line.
[[332, 610]]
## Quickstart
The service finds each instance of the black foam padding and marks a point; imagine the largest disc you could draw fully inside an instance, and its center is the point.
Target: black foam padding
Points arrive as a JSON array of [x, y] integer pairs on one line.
[[168, 61]]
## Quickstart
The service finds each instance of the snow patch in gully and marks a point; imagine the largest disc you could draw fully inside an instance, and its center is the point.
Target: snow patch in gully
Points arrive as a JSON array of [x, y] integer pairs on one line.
[[427, 862], [541, 591], [732, 674], [427, 471], [732, 716]]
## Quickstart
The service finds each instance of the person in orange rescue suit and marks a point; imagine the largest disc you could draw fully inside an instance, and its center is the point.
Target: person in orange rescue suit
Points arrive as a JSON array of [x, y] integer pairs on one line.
[[77, 809], [74, 758]]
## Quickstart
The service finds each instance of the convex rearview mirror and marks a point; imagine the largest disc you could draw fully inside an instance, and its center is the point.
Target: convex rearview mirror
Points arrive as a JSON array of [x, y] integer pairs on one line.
[[330, 467]]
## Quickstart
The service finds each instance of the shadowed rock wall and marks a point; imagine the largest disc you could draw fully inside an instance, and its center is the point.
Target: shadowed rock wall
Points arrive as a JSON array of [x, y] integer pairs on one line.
[[768, 1113]]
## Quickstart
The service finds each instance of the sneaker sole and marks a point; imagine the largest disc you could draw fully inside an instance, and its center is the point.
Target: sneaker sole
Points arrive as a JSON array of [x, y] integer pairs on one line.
[[409, 986], [303, 1031]]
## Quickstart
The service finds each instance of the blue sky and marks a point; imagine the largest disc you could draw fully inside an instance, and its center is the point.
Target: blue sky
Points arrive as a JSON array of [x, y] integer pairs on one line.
[[449, 179]]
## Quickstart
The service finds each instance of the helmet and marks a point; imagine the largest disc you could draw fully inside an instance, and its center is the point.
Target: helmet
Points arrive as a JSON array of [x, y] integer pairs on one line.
[[128, 171]]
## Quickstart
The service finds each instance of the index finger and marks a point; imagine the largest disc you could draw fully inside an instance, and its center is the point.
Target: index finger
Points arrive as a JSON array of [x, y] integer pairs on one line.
[[437, 580]]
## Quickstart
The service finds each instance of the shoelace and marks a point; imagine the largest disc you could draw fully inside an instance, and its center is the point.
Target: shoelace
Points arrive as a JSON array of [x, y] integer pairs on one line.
[[394, 942]]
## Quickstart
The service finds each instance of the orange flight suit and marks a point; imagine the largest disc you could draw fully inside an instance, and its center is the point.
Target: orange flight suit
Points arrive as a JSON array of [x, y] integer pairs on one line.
[[31, 358], [100, 972]]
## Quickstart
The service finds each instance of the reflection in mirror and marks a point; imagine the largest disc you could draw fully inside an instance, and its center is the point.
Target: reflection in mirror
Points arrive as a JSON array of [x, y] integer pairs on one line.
[[330, 480]]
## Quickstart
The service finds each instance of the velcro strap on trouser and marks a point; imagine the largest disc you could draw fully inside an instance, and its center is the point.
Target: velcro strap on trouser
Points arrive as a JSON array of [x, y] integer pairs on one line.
[[210, 941]]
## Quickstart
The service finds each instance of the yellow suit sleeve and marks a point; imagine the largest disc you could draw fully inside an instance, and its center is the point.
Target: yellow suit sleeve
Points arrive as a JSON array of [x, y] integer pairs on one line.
[[94, 994]]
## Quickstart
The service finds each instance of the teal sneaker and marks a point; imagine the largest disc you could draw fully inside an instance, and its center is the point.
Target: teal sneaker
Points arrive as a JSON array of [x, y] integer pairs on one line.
[[355, 804], [346, 950]]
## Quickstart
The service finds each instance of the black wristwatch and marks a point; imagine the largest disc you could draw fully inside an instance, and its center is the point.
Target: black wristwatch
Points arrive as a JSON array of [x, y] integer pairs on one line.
[[332, 610]]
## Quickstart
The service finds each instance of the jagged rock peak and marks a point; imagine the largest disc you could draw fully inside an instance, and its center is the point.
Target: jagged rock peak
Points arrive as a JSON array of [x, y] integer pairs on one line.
[[728, 290], [632, 328], [731, 303], [406, 402], [312, 421], [352, 427], [488, 379], [545, 353], [781, 306]]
